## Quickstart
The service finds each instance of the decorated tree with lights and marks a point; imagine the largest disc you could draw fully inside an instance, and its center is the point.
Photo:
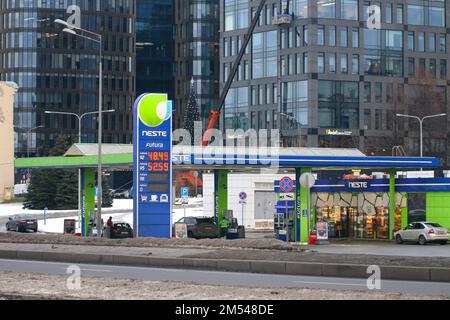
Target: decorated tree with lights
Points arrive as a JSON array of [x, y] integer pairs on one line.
[[191, 114]]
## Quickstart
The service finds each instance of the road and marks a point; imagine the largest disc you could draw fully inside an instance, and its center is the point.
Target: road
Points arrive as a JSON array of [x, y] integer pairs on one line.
[[227, 278], [385, 249]]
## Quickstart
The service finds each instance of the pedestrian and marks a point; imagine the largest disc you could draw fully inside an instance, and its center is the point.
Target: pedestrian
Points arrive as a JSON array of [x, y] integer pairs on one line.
[[109, 227]]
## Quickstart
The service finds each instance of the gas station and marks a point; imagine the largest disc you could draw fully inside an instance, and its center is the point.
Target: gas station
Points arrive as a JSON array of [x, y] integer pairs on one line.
[[353, 204]]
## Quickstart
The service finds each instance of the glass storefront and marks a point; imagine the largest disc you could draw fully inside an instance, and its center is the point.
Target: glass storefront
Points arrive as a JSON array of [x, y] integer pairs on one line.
[[356, 215]]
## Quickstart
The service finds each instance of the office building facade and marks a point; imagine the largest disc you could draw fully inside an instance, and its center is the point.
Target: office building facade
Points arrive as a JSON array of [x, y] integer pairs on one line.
[[326, 75], [56, 71], [196, 56], [155, 47]]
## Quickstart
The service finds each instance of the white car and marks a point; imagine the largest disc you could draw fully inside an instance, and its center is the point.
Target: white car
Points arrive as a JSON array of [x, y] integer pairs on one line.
[[422, 232]]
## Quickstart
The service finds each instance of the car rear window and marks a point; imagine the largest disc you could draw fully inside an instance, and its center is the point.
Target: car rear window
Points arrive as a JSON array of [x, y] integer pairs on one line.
[[122, 225], [26, 217], [205, 221], [433, 224]]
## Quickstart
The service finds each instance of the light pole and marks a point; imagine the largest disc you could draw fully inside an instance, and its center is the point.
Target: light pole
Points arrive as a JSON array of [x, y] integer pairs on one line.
[[28, 131], [421, 125], [70, 29], [80, 118]]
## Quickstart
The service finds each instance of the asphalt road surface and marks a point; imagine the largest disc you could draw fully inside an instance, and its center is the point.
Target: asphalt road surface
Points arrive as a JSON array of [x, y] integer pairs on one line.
[[227, 278]]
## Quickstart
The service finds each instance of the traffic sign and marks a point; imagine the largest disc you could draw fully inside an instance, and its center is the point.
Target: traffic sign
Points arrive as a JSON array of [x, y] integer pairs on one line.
[[307, 180], [185, 191], [242, 196], [286, 184]]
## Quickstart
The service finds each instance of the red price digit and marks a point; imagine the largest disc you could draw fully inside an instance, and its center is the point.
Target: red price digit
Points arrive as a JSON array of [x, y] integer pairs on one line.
[[166, 166]]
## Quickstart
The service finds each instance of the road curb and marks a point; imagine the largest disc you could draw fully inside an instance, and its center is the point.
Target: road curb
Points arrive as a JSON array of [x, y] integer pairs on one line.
[[252, 266]]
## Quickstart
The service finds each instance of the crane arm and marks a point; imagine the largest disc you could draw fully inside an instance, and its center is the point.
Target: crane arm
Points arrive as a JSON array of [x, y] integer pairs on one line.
[[215, 114]]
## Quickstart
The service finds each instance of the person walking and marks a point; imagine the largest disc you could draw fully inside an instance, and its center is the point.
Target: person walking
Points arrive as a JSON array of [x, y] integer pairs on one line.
[[109, 227]]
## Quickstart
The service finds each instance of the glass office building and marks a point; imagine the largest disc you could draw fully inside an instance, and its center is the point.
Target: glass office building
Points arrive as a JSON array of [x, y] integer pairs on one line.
[[57, 71], [197, 55], [155, 47], [326, 78]]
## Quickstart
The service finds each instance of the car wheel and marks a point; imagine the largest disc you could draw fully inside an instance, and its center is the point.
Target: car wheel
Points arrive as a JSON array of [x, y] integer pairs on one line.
[[443, 242], [399, 239], [422, 240]]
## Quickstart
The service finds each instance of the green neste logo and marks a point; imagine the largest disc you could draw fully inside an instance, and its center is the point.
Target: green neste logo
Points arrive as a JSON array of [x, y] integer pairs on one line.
[[154, 109]]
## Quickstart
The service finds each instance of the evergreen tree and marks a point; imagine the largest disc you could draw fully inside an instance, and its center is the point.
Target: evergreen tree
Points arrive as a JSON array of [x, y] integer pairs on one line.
[[41, 190], [67, 189], [53, 188], [107, 199], [191, 113]]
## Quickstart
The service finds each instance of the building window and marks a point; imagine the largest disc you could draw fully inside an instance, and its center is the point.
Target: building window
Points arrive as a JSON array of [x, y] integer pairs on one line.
[[389, 93], [443, 71], [326, 9], [332, 62], [355, 64], [432, 42], [367, 92], [343, 37], [332, 36], [411, 40], [236, 14], [400, 14], [349, 9], [305, 62], [338, 104], [320, 35], [411, 67], [432, 67], [367, 125], [388, 8], [355, 37], [305, 35], [378, 92], [344, 63], [442, 43], [301, 8], [295, 104], [321, 62], [264, 50], [421, 41]]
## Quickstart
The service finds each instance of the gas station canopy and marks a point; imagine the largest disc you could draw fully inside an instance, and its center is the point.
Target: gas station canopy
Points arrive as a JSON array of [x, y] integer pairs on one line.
[[120, 156]]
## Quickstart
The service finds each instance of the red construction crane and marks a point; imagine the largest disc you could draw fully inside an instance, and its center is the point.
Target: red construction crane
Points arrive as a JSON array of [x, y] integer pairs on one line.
[[215, 114]]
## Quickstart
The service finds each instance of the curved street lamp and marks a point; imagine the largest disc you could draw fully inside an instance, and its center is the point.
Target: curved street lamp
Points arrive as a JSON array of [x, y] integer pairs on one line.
[[69, 28], [421, 125]]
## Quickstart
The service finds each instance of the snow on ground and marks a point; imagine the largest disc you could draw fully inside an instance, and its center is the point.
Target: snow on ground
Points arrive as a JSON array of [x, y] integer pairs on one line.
[[9, 209], [56, 225]]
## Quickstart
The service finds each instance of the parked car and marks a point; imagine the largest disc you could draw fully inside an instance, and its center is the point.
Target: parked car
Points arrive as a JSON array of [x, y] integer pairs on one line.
[[199, 227], [120, 230], [22, 223], [422, 232]]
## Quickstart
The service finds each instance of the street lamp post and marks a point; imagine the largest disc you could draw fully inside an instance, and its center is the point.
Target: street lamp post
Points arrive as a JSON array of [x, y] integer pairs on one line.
[[28, 138], [421, 125], [70, 29], [80, 118]]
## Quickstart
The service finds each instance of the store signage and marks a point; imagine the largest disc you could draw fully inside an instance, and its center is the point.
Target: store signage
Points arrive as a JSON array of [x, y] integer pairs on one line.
[[332, 132], [152, 173], [357, 185], [322, 230]]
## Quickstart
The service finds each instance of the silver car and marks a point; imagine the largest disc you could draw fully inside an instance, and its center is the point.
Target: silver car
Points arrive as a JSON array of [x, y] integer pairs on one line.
[[422, 232]]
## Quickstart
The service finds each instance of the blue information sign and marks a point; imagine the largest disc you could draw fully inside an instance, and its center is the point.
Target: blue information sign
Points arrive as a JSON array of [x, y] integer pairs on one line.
[[152, 173], [185, 191]]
